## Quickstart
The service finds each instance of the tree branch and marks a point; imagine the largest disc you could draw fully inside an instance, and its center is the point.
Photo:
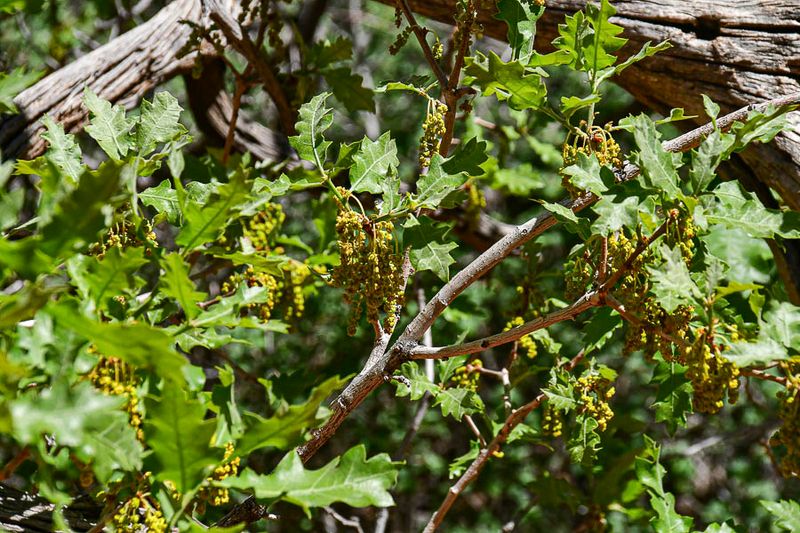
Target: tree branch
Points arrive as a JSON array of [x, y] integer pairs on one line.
[[585, 302], [371, 375], [516, 418]]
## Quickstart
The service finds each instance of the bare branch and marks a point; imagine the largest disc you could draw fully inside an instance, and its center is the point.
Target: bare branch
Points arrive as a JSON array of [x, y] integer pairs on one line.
[[239, 40], [585, 302], [420, 32], [477, 465]]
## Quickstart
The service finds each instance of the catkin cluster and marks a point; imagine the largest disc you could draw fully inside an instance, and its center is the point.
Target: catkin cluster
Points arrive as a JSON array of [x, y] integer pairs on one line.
[[589, 140], [115, 377], [125, 234], [468, 375], [402, 37], [788, 436], [552, 424], [261, 229], [370, 269], [526, 344], [712, 375], [139, 515], [595, 392], [252, 278], [656, 326], [229, 467], [474, 205], [287, 291], [432, 130]]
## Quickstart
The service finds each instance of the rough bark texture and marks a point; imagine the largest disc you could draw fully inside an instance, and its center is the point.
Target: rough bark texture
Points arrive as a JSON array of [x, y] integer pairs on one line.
[[735, 52], [21, 512], [212, 107], [121, 71]]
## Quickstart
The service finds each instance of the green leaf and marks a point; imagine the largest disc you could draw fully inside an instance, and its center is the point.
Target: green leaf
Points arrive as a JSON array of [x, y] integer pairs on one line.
[[164, 199], [785, 512], [180, 439], [712, 109], [315, 119], [781, 323], [605, 40], [672, 284], [350, 479], [158, 122], [614, 213], [372, 163], [570, 105], [324, 53], [644, 52], [760, 352], [93, 425], [434, 256], [705, 160], [286, 427], [348, 88], [571, 221], [177, 284], [205, 220], [584, 443], [418, 382], [434, 186], [467, 157], [507, 81], [447, 368], [659, 167], [62, 151], [12, 83], [392, 198], [227, 311], [108, 125], [585, 174], [742, 210], [560, 396], [673, 400], [139, 344], [521, 180], [100, 281], [458, 402], [521, 17], [79, 216], [574, 35], [651, 474]]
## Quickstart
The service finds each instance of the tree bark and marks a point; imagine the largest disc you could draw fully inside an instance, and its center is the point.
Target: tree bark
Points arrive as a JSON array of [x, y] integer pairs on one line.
[[27, 513], [121, 71]]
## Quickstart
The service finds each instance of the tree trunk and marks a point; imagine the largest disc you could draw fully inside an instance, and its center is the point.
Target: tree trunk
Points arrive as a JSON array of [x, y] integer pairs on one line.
[[121, 71], [26, 513]]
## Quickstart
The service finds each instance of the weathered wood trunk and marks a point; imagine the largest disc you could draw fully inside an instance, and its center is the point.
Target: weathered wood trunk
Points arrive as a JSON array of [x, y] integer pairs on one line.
[[26, 513], [121, 71]]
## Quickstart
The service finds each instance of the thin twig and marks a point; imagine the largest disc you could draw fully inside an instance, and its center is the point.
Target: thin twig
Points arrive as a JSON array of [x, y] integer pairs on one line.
[[477, 465], [239, 40], [585, 302], [474, 428], [419, 32], [241, 87], [14, 463], [760, 374], [354, 522]]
